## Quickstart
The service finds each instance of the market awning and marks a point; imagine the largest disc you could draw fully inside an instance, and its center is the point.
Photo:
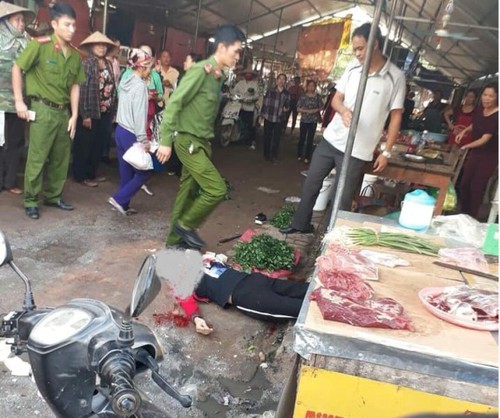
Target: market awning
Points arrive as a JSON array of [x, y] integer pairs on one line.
[[457, 54]]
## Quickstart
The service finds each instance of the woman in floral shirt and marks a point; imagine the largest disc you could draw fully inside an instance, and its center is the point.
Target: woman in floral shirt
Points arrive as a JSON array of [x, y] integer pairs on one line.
[[96, 110], [309, 106]]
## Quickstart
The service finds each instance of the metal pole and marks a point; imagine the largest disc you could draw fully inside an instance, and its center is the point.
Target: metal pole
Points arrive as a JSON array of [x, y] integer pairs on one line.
[[247, 29], [276, 40], [105, 17], [355, 115], [193, 47], [389, 27]]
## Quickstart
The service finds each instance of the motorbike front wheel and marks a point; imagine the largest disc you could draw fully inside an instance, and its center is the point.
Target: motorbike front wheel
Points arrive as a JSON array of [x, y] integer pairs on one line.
[[225, 135]]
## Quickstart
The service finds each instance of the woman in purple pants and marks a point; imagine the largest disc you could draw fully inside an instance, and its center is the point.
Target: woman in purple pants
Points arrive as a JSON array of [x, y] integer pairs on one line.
[[131, 128]]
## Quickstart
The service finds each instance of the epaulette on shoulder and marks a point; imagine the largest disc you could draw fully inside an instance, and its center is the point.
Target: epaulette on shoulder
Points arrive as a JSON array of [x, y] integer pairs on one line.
[[43, 39]]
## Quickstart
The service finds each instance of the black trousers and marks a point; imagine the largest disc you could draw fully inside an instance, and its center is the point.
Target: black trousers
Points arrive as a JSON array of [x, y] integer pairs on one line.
[[272, 138], [294, 112], [325, 159], [269, 299], [248, 126], [11, 153], [88, 146], [307, 131]]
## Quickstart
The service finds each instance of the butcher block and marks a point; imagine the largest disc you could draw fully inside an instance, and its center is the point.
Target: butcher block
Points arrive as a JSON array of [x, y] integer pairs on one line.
[[348, 371]]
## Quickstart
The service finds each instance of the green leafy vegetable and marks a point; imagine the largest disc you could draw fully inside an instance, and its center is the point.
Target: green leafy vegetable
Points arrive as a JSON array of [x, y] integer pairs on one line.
[[404, 242], [264, 252], [283, 217]]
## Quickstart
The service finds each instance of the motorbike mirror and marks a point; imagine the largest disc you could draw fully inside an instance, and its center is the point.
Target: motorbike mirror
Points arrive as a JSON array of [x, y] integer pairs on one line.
[[146, 288], [5, 251]]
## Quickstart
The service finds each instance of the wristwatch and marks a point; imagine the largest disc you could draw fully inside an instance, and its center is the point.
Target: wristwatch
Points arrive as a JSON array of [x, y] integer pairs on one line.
[[386, 154]]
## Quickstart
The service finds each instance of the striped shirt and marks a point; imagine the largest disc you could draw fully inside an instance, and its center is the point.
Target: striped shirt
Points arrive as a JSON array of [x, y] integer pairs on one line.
[[274, 102]]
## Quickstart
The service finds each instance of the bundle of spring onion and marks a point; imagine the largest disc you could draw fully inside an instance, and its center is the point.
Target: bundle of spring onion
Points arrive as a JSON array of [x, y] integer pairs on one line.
[[404, 242]]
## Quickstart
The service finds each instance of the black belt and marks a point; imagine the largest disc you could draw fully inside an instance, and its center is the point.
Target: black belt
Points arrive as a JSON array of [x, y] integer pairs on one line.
[[49, 103]]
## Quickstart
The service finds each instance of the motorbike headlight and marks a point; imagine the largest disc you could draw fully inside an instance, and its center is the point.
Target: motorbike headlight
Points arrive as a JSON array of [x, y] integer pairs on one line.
[[60, 325]]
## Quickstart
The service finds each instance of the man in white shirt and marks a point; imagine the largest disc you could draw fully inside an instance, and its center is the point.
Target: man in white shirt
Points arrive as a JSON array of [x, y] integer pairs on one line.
[[168, 74], [247, 89], [384, 96]]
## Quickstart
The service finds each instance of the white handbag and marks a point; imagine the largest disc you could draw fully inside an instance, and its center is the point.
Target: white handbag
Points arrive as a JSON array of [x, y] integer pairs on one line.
[[138, 157]]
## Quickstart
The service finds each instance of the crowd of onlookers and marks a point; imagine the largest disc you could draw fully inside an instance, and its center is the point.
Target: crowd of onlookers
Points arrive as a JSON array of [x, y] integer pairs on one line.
[[52, 82]]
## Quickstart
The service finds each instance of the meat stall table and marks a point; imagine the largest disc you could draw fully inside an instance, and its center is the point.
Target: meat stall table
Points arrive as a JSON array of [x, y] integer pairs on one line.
[[347, 371], [426, 173]]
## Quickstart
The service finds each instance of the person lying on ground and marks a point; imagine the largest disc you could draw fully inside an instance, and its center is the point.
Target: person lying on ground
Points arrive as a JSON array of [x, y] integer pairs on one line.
[[254, 294]]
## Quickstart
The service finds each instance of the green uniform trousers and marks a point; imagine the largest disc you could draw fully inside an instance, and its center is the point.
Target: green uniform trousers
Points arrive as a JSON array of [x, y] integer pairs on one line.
[[201, 186], [49, 148]]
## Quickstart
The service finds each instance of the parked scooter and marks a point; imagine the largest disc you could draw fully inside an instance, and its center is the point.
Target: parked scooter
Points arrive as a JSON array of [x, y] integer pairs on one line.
[[231, 126], [85, 354]]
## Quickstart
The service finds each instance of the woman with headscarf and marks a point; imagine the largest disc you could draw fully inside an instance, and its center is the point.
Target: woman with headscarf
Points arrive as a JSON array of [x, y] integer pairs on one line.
[[13, 40], [155, 98], [131, 128], [96, 110]]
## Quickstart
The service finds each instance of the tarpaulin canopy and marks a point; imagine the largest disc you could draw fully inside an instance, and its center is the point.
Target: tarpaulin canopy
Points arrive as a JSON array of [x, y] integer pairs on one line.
[[415, 24]]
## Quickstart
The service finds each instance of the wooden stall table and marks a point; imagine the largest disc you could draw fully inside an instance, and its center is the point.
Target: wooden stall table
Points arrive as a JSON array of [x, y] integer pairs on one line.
[[427, 173], [353, 372]]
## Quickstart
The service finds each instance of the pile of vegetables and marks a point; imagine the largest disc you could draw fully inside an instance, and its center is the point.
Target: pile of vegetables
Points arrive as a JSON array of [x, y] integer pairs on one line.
[[404, 242], [264, 252], [283, 217]]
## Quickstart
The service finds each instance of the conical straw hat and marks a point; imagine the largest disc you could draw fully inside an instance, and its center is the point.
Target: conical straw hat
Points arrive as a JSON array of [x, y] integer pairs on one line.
[[8, 9], [97, 38]]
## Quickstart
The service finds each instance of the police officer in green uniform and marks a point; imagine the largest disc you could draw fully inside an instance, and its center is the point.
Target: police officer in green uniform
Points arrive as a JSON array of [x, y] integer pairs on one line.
[[53, 75], [188, 123]]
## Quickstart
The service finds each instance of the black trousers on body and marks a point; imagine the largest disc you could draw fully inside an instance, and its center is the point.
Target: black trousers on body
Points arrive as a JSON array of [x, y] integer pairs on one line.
[[11, 153], [325, 159], [307, 131], [269, 299], [88, 146], [248, 126], [272, 139]]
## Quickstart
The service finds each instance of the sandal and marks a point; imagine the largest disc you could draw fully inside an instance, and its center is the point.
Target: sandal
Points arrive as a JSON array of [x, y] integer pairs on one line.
[[90, 183], [15, 190]]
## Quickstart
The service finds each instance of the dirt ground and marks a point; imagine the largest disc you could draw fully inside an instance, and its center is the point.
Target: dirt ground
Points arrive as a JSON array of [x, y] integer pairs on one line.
[[94, 252]]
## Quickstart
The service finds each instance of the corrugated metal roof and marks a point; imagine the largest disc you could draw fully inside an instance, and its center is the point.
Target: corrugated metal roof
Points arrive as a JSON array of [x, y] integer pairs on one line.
[[460, 60]]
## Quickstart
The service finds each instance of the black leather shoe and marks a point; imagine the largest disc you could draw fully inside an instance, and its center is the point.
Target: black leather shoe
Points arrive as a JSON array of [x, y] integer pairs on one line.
[[32, 213], [291, 230], [190, 237], [180, 246], [60, 205]]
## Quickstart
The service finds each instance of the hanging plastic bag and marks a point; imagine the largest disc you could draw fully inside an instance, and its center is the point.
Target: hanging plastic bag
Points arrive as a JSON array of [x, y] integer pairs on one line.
[[450, 200], [138, 157]]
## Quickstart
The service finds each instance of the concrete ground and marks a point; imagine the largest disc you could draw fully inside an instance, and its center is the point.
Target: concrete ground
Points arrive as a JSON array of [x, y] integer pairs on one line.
[[94, 252]]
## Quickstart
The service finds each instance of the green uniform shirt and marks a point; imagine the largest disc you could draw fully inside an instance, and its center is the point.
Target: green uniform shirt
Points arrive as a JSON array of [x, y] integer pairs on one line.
[[192, 107], [49, 74]]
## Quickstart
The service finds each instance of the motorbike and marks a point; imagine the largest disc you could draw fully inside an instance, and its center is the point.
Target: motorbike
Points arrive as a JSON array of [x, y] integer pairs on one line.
[[231, 129], [85, 354]]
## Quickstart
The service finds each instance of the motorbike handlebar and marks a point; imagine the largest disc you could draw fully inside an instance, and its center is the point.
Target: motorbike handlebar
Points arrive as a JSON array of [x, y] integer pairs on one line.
[[118, 372], [145, 358]]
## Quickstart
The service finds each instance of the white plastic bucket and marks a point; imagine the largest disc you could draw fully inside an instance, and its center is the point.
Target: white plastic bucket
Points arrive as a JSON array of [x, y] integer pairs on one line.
[[368, 180], [324, 195], [417, 210]]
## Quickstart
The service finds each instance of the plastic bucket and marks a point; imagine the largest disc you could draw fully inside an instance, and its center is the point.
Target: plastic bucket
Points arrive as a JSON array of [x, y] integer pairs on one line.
[[368, 180], [324, 195]]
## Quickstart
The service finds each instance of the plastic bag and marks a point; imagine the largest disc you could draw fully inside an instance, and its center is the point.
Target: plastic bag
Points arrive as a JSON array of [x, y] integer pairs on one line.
[[450, 200], [384, 259], [462, 228], [484, 303], [347, 260], [470, 258], [138, 157]]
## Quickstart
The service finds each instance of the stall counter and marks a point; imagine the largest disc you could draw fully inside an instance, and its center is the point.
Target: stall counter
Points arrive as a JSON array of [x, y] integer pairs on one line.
[[347, 371]]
